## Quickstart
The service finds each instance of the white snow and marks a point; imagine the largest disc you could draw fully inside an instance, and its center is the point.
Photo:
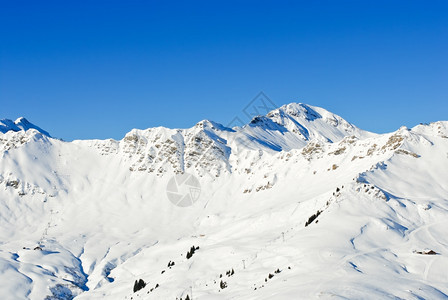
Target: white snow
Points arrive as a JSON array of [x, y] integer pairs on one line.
[[18, 125], [99, 212]]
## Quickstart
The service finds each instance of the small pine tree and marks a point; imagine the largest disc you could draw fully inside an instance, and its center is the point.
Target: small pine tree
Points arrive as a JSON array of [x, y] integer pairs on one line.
[[312, 218], [223, 284], [191, 252], [138, 285]]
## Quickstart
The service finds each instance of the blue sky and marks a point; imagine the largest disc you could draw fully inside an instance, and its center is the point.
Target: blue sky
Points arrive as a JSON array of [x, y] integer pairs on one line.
[[96, 69]]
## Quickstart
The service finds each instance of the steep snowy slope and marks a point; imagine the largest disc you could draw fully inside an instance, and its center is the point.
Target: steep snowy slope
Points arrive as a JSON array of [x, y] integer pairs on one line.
[[296, 204]]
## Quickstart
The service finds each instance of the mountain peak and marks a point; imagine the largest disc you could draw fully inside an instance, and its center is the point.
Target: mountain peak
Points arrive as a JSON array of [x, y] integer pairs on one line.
[[305, 111], [21, 120], [312, 122], [21, 124]]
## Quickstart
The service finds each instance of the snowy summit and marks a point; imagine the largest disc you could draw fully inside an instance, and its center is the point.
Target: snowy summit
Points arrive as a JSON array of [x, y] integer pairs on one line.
[[21, 124]]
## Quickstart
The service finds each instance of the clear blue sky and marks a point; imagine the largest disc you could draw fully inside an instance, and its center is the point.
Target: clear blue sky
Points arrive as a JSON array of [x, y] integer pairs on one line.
[[96, 69]]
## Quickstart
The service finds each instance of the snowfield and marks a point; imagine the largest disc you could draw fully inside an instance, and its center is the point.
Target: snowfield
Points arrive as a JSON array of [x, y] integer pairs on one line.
[[297, 204]]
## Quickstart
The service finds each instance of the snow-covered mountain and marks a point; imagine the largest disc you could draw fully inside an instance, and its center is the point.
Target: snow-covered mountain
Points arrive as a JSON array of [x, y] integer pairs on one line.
[[212, 148], [297, 204], [21, 124]]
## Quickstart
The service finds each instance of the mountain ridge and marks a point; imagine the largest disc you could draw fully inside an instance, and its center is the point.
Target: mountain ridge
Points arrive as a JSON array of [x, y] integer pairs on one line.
[[20, 124], [318, 212], [295, 111]]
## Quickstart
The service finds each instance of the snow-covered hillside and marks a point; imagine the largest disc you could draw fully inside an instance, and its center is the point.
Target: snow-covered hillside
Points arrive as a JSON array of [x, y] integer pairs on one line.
[[297, 204]]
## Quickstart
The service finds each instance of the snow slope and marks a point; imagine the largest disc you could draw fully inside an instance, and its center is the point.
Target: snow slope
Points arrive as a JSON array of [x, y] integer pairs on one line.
[[85, 219]]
